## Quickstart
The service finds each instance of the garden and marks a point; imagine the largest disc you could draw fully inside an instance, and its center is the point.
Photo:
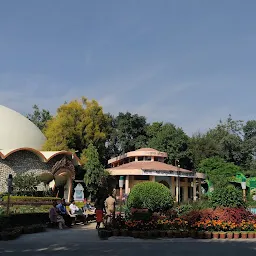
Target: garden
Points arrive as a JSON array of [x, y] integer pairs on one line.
[[151, 213], [28, 215]]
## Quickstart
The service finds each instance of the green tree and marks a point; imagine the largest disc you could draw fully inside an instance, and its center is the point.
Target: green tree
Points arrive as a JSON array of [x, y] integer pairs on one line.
[[201, 147], [76, 125], [94, 169], [250, 130], [39, 117], [130, 132], [172, 140], [218, 171]]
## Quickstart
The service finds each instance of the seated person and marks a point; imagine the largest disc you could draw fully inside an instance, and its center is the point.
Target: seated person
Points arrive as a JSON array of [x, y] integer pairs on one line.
[[73, 208], [55, 217], [64, 213], [87, 206]]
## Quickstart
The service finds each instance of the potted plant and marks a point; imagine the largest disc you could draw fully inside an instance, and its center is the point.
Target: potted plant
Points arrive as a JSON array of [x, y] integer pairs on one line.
[[230, 235], [215, 235], [124, 232], [170, 233], [104, 234], [116, 232], [244, 234], [162, 233], [135, 233], [201, 234], [193, 233], [208, 234], [222, 235], [251, 234], [236, 234]]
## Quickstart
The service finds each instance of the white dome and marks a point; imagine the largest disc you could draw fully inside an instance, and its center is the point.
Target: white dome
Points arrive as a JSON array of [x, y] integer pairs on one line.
[[16, 131]]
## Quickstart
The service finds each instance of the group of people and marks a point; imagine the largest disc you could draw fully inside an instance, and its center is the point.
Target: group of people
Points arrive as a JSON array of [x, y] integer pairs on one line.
[[62, 215], [104, 206]]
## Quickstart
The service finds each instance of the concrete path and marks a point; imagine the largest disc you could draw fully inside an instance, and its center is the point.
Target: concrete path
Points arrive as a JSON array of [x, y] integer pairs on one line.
[[84, 241]]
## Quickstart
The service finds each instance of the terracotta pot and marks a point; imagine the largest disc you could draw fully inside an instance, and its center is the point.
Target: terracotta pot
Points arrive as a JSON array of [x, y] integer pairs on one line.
[[177, 234], [208, 235], [124, 232], [156, 233], [230, 235], [143, 234], [251, 235], [193, 234], [215, 235], [184, 234], [135, 234], [222, 235], [236, 235], [244, 235], [170, 233], [201, 235], [162, 233]]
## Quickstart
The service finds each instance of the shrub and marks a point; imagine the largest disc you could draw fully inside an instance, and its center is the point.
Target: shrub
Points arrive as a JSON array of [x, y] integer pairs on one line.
[[151, 195], [226, 197]]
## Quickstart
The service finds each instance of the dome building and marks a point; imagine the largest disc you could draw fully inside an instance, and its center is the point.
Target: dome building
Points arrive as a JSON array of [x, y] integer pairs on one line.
[[20, 151], [148, 164]]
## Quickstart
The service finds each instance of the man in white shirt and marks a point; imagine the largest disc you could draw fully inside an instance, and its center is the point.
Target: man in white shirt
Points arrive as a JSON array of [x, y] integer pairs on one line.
[[73, 208]]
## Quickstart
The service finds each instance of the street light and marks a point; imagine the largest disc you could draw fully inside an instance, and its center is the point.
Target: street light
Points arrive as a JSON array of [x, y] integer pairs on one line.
[[243, 185], [121, 184], [10, 188]]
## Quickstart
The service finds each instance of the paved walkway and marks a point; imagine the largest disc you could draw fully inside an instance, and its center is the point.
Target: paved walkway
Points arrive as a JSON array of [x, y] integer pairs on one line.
[[84, 240]]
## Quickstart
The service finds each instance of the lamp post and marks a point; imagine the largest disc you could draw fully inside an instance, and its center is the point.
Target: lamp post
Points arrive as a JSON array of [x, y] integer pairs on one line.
[[10, 188], [177, 163], [121, 184], [243, 185]]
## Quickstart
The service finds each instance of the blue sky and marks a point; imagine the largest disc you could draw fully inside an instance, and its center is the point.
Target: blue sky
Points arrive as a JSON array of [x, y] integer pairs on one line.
[[189, 62]]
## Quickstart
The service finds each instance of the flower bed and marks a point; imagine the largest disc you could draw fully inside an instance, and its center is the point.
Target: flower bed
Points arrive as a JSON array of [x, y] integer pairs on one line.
[[230, 223]]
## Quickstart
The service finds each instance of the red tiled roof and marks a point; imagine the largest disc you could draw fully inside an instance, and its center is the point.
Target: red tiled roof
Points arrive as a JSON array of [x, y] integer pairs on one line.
[[149, 165]]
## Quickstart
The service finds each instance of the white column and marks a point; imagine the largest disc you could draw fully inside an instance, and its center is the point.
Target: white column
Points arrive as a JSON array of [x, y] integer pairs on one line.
[[173, 186], [186, 190], [199, 188], [153, 178], [177, 189], [127, 189], [194, 189]]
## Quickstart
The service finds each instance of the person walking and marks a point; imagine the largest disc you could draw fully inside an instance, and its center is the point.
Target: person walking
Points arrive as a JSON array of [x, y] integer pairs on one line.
[[100, 209], [110, 207]]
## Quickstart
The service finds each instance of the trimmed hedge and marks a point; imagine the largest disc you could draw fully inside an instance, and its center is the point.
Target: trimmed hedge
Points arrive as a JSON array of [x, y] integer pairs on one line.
[[29, 199], [17, 220], [150, 195]]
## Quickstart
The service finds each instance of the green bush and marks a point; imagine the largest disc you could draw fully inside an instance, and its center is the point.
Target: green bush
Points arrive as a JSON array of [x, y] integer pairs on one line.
[[226, 197], [17, 220], [151, 195]]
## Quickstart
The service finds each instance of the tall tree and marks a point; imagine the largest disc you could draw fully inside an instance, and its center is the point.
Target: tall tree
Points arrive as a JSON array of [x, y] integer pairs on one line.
[[218, 171], [201, 146], [172, 140], [76, 125], [39, 117], [130, 131], [94, 169]]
